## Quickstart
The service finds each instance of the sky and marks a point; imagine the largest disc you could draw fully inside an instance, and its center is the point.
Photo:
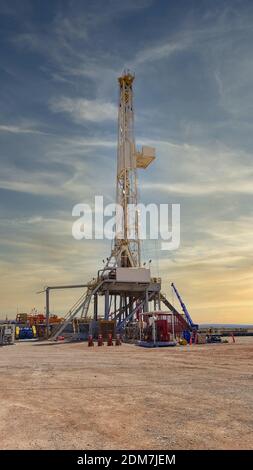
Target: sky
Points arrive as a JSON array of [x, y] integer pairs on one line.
[[193, 101]]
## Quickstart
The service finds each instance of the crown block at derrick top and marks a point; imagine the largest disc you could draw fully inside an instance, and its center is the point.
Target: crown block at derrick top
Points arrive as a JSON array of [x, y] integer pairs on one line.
[[128, 78]]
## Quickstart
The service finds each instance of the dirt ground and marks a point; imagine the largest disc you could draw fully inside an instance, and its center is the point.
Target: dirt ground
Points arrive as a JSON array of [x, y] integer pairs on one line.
[[69, 396]]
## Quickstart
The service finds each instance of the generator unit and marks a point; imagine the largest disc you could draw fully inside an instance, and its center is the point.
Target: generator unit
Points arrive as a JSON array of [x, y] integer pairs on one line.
[[7, 334]]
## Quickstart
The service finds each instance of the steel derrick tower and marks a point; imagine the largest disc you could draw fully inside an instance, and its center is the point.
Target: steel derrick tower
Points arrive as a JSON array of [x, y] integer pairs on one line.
[[127, 243]]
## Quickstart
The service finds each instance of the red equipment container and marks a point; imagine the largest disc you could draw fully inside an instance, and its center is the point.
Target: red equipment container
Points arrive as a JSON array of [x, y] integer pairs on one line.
[[162, 330]]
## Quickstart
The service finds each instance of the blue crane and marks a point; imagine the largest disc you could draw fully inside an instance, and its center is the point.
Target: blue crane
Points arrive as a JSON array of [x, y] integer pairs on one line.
[[193, 325]]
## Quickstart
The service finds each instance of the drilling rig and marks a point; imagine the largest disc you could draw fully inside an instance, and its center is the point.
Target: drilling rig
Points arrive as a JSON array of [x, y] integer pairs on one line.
[[123, 287], [127, 287]]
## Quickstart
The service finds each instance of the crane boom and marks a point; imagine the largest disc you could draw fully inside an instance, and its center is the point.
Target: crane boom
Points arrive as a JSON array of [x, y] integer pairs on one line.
[[184, 308]]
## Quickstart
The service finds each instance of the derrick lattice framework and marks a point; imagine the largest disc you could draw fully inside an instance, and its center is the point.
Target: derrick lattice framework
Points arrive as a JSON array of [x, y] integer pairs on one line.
[[127, 243]]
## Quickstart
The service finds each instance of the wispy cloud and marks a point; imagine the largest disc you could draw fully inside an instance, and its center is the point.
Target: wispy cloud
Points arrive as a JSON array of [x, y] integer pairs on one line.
[[201, 170], [81, 109], [161, 51], [64, 165], [19, 129]]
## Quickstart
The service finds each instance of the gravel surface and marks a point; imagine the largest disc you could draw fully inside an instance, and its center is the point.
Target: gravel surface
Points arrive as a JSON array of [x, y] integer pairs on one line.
[[69, 396]]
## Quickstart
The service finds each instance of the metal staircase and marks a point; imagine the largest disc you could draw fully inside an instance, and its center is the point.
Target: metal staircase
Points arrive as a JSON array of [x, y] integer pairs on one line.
[[82, 304]]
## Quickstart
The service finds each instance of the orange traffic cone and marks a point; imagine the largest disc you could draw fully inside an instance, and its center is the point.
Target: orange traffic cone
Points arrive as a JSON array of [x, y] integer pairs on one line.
[[109, 340], [118, 340], [100, 340], [90, 341]]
